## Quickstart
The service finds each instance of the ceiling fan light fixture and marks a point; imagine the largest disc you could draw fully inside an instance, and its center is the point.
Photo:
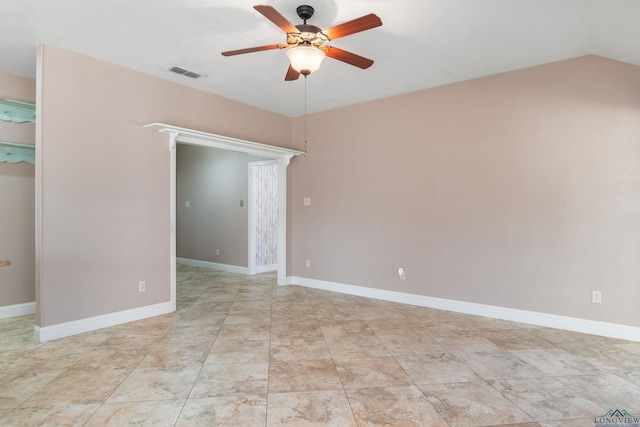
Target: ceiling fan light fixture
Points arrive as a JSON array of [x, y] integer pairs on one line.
[[305, 59]]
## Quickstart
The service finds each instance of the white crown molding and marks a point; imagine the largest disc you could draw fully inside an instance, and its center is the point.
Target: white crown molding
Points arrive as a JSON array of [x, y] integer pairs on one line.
[[62, 330], [16, 310], [586, 326]]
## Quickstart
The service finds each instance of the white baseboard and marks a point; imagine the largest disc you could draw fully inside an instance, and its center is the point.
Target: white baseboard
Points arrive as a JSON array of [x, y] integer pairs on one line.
[[16, 310], [61, 330], [612, 330], [213, 265], [266, 268]]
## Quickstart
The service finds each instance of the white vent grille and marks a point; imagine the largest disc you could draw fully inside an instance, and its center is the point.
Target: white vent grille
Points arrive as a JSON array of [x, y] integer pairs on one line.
[[184, 72]]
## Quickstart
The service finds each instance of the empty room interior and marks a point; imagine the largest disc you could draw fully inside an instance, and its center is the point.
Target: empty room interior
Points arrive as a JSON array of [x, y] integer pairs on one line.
[[417, 213]]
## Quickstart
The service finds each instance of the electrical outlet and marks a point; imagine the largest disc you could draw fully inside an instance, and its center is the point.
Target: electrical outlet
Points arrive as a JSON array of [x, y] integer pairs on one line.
[[217, 251], [307, 263], [596, 297], [402, 273], [142, 286]]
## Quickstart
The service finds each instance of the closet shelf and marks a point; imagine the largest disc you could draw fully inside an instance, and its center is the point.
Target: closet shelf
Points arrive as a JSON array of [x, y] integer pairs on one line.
[[18, 112], [16, 153]]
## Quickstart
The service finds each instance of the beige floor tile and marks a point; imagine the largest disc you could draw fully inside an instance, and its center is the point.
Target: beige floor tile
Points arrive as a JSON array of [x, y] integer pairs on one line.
[[606, 390], [110, 357], [288, 316], [513, 339], [16, 388], [584, 422], [129, 341], [473, 404], [551, 361], [52, 358], [227, 380], [393, 406], [176, 354], [310, 409], [380, 312], [156, 384], [244, 332], [336, 314], [394, 327], [10, 356], [463, 342], [300, 329], [345, 328], [67, 415], [411, 342], [248, 318], [78, 387], [237, 352], [439, 369], [356, 347], [24, 341], [299, 349], [630, 347], [371, 372], [149, 413], [498, 365], [546, 398], [237, 411], [303, 375]]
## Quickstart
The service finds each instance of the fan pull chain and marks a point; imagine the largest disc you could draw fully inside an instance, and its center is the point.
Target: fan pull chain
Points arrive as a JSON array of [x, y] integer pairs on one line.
[[305, 116]]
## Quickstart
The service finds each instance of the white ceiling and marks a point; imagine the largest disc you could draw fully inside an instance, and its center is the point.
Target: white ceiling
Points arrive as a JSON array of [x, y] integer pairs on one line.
[[422, 43]]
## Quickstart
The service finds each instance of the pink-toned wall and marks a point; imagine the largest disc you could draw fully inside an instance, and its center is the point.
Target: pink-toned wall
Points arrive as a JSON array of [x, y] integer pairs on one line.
[[103, 183], [518, 190], [214, 181], [17, 188]]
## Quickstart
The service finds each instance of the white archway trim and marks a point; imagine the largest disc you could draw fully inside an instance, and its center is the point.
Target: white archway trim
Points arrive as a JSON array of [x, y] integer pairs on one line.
[[282, 155]]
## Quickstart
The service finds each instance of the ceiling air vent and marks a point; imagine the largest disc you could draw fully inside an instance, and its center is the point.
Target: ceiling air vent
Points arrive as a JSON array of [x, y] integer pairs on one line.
[[184, 72]]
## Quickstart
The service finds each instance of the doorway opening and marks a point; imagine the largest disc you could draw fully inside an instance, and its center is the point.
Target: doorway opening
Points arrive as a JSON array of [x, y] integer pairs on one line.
[[280, 155]]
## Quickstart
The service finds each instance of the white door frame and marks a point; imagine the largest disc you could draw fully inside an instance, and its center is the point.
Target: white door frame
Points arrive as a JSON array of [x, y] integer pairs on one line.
[[193, 137]]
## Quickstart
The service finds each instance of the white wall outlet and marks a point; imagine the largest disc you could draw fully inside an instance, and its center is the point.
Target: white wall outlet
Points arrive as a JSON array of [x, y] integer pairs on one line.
[[307, 201], [142, 286], [241, 203], [307, 263], [187, 204], [402, 273], [217, 251], [596, 297]]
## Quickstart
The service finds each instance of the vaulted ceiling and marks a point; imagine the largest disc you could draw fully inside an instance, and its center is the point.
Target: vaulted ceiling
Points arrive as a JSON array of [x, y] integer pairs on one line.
[[421, 44]]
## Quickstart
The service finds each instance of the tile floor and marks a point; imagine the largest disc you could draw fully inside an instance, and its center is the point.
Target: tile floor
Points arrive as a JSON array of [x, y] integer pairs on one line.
[[241, 351]]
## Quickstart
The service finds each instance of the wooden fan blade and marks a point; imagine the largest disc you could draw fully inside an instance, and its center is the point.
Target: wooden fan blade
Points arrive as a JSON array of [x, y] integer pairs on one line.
[[251, 49], [349, 58], [355, 26], [292, 74], [274, 16]]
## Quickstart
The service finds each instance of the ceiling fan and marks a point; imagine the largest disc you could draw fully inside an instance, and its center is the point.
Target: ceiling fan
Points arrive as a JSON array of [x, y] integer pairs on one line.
[[307, 44]]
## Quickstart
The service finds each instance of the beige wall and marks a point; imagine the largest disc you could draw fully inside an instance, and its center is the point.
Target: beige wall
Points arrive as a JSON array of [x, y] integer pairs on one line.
[[103, 180], [518, 190], [213, 181], [17, 232]]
